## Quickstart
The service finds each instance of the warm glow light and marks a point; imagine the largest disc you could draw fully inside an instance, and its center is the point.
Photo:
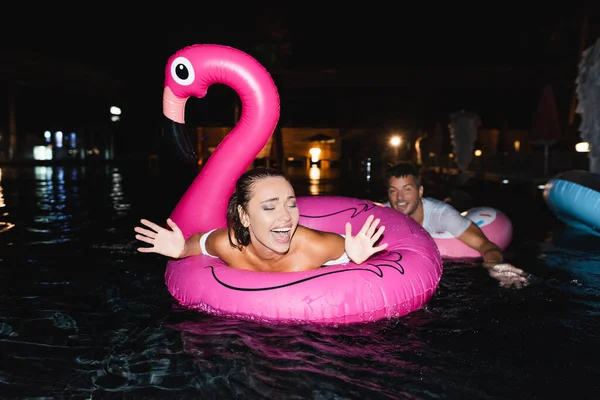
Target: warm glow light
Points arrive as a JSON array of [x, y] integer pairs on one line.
[[517, 145], [395, 141], [315, 175], [582, 147], [478, 153], [315, 153]]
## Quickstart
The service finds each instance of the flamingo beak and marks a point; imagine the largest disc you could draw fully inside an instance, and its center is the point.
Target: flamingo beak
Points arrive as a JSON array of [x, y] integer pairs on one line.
[[178, 142]]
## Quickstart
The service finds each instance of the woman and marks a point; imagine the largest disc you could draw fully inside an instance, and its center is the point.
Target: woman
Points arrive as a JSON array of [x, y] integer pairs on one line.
[[263, 233]]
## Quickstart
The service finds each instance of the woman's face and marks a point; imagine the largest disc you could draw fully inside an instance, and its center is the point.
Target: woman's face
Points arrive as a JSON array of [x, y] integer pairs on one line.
[[272, 214]]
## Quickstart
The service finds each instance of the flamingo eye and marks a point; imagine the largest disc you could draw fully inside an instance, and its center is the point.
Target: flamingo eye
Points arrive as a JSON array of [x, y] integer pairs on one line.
[[182, 71]]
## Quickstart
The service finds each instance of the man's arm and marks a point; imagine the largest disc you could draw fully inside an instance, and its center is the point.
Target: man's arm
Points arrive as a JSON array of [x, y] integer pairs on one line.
[[476, 239]]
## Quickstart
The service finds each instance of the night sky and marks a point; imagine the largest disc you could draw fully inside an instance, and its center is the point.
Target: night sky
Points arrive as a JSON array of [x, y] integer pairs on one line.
[[418, 35], [134, 45]]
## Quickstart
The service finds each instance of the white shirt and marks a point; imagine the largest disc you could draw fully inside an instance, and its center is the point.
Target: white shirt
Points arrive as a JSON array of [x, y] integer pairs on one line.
[[439, 216]]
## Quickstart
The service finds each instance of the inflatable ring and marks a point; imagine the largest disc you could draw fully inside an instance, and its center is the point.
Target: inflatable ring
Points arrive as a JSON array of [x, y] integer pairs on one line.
[[394, 282], [390, 284], [493, 223], [574, 197]]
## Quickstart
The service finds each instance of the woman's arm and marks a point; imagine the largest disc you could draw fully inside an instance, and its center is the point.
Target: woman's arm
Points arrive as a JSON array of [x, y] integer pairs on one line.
[[170, 243]]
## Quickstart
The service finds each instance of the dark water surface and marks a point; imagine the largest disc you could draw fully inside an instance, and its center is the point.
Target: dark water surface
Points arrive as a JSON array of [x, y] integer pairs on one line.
[[84, 316]]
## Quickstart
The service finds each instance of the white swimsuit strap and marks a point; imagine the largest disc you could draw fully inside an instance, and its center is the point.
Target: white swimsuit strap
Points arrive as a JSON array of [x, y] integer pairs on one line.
[[203, 243]]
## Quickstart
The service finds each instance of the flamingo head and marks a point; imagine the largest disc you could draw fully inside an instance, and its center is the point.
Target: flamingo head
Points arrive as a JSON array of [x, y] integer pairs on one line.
[[185, 76]]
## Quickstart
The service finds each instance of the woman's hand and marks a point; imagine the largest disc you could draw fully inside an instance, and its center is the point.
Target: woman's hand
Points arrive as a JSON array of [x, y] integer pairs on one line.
[[170, 243], [360, 247]]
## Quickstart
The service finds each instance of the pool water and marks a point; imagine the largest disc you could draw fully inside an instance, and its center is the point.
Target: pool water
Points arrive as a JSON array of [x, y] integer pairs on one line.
[[85, 316]]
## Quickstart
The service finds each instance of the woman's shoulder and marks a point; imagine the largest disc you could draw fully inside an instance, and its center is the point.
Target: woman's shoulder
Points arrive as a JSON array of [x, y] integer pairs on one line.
[[319, 242], [219, 241], [316, 234]]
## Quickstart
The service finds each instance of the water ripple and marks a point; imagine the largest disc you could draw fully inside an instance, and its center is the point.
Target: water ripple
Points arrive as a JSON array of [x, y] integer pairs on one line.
[[82, 315]]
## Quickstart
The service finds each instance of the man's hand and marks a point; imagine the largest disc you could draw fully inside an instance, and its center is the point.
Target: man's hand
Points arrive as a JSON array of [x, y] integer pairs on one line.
[[509, 276]]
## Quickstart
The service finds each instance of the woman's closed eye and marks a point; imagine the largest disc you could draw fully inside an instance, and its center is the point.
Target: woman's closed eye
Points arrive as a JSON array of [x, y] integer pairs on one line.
[[271, 208]]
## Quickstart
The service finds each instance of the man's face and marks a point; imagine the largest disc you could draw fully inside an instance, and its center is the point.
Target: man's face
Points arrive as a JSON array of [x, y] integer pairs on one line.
[[403, 194]]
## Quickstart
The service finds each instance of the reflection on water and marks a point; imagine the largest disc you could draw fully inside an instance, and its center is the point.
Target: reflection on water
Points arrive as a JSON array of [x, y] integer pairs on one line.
[[117, 195], [350, 362], [4, 225], [83, 315], [315, 175], [314, 180]]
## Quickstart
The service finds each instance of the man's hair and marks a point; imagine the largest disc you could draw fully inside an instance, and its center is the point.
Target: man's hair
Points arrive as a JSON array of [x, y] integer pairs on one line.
[[401, 170]]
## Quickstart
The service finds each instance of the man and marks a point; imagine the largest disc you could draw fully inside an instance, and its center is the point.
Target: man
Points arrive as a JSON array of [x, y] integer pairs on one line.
[[405, 194]]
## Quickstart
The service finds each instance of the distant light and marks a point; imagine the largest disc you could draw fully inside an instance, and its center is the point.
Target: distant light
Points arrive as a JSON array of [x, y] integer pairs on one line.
[[48, 136], [114, 110], [315, 152], [505, 181], [541, 187], [517, 145], [42, 153], [115, 118], [582, 147], [58, 137], [395, 141], [478, 153]]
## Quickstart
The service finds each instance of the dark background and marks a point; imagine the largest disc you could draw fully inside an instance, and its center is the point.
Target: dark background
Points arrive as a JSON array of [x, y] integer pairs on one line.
[[133, 43]]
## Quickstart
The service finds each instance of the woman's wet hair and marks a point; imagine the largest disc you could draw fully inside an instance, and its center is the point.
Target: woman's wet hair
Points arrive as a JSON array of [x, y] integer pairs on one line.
[[401, 170], [241, 197]]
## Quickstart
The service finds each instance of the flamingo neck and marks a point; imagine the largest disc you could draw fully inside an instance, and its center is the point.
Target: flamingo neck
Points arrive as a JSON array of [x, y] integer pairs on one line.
[[204, 204]]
